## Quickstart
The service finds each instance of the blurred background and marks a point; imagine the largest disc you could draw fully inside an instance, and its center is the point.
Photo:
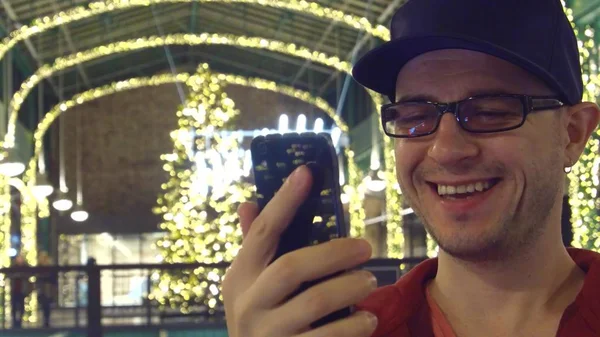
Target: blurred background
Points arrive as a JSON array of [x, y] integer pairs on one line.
[[125, 128]]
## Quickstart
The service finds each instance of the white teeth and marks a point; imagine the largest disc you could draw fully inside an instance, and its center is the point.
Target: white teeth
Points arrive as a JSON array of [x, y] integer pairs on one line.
[[462, 189], [479, 187]]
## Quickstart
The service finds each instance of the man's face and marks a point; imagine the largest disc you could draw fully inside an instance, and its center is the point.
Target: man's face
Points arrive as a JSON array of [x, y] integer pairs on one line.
[[521, 171]]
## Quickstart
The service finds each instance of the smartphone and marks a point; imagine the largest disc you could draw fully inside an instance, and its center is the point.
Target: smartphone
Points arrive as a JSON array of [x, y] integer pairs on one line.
[[321, 217]]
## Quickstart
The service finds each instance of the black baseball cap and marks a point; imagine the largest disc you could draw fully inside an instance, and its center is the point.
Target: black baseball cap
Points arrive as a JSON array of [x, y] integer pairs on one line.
[[533, 34]]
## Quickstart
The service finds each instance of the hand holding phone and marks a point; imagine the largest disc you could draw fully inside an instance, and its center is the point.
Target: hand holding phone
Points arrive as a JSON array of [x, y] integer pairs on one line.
[[291, 287], [321, 217]]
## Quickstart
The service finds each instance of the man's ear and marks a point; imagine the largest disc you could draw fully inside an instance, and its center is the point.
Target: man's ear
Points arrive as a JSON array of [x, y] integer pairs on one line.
[[582, 121]]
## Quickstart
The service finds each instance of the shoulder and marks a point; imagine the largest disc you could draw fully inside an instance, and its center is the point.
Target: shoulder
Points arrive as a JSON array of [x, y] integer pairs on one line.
[[587, 304]]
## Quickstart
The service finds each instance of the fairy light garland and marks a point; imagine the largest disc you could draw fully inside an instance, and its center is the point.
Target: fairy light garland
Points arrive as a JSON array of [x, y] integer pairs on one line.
[[88, 96], [42, 24], [198, 227], [28, 225], [28, 240], [356, 210], [149, 42], [583, 178], [28, 209], [5, 206], [157, 41]]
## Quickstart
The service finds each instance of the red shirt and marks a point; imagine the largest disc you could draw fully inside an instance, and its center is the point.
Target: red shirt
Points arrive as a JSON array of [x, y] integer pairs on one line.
[[403, 311]]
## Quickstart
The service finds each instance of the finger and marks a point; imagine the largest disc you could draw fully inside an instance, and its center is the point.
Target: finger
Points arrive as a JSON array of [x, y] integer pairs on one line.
[[324, 298], [247, 213], [288, 272], [359, 324], [263, 236]]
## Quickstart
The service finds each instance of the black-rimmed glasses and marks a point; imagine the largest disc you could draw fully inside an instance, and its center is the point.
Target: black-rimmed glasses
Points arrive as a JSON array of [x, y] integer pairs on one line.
[[478, 114]]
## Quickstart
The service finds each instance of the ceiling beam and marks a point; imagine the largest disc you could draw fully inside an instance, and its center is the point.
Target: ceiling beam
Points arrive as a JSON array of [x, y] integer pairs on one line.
[[193, 18], [34, 54], [95, 38], [318, 45], [263, 53], [110, 77], [587, 13], [387, 13], [93, 35], [67, 35]]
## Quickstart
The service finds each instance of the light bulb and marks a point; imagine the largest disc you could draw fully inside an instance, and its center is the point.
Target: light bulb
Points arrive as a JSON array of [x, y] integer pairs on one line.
[[283, 123], [10, 166], [42, 191], [301, 123], [319, 125], [42, 188], [62, 203], [79, 214], [374, 183]]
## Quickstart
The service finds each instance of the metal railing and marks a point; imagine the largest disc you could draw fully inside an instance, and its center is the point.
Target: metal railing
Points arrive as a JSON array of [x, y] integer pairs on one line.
[[93, 298]]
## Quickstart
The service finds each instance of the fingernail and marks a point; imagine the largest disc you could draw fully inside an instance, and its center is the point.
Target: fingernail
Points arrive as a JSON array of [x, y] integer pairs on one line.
[[364, 248], [371, 319]]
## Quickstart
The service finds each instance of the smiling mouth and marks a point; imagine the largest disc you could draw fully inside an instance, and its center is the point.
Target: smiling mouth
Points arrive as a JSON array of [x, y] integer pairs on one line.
[[463, 191]]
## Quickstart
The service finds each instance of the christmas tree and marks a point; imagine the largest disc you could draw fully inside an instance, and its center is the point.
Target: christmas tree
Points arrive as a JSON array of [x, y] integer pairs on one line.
[[201, 196]]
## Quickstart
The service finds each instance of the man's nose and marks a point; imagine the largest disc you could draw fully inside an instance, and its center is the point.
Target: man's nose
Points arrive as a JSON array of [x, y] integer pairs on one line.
[[451, 144]]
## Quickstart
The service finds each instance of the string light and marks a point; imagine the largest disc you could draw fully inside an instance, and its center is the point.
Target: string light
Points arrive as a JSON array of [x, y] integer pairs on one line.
[[583, 178], [5, 244], [5, 207], [199, 227], [356, 210], [42, 24], [578, 193], [393, 195], [28, 240], [156, 41]]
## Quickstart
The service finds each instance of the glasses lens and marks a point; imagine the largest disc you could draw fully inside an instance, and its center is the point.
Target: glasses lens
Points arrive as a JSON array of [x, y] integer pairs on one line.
[[410, 119], [491, 114]]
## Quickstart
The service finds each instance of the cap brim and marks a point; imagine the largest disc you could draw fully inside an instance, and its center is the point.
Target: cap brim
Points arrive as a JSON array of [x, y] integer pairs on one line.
[[379, 68]]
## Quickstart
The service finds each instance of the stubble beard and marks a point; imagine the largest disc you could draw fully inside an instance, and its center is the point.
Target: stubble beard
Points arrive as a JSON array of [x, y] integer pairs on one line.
[[511, 231]]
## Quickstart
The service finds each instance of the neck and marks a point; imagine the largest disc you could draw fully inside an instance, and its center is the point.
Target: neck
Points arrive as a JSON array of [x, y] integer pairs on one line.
[[540, 281]]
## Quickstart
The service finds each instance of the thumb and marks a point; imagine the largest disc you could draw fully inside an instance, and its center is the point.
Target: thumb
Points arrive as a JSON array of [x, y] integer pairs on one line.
[[247, 212]]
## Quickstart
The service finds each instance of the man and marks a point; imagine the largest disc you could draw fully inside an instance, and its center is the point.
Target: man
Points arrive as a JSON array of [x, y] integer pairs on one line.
[[46, 287], [20, 288], [487, 114]]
